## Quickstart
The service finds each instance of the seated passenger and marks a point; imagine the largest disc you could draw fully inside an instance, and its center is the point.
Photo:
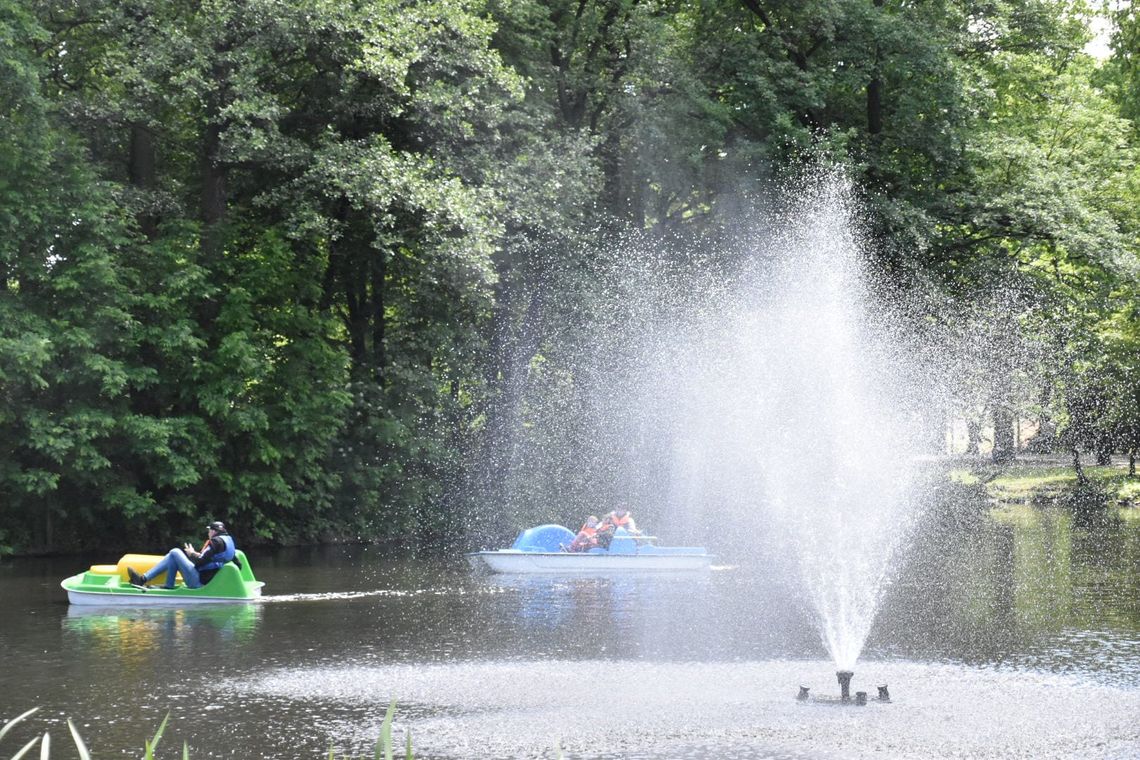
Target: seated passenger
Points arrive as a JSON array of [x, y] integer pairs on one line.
[[619, 518], [587, 537], [197, 567]]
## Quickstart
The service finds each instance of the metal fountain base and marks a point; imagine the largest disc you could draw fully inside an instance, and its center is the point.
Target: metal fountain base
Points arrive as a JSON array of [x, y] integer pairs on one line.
[[860, 699]]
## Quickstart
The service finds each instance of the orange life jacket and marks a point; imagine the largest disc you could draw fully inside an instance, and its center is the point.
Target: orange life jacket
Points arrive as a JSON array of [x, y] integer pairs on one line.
[[586, 539], [618, 522]]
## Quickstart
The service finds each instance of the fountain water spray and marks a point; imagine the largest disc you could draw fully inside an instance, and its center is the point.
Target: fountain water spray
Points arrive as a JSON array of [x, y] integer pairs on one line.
[[772, 397], [799, 407]]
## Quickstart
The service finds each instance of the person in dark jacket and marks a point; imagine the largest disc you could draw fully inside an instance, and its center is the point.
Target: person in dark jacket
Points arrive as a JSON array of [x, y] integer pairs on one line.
[[197, 566]]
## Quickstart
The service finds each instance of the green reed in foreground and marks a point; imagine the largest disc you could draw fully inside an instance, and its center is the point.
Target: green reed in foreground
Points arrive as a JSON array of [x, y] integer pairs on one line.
[[383, 751]]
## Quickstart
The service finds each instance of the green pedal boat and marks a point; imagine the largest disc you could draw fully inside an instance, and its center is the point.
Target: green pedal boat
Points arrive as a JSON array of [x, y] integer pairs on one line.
[[108, 585]]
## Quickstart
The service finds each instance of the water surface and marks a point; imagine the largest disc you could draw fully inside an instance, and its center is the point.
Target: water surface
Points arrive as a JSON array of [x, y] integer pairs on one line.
[[1011, 637]]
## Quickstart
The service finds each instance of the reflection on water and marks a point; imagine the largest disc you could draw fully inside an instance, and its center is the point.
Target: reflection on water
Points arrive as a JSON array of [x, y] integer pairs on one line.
[[552, 601], [1022, 615], [1027, 586], [161, 631]]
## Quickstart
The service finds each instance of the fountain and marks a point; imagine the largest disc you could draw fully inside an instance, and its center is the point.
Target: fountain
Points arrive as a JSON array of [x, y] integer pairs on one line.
[[782, 398], [780, 419], [775, 420], [844, 677], [798, 411]]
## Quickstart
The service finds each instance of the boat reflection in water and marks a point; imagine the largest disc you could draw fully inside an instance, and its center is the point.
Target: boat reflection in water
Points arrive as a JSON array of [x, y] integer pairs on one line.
[[547, 601], [161, 630], [594, 603]]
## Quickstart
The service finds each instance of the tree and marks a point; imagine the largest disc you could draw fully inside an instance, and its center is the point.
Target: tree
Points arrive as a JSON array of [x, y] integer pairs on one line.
[[311, 234], [67, 330]]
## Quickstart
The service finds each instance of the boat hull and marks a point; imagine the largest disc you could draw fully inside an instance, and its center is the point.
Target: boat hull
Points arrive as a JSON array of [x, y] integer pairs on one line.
[[153, 597], [515, 561]]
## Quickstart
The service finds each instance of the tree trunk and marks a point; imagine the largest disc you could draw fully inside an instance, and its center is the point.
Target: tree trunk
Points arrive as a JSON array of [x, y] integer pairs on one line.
[[973, 436], [1004, 451], [213, 196], [621, 190], [875, 91], [355, 296], [356, 272], [349, 259], [142, 173], [515, 339], [1082, 480], [377, 269], [874, 106]]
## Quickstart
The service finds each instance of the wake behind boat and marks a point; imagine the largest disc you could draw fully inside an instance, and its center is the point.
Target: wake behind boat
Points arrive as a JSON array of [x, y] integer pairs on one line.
[[109, 585], [542, 550]]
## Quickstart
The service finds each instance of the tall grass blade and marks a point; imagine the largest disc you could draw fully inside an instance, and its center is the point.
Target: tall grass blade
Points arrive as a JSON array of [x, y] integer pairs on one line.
[[185, 751], [27, 748], [45, 747], [158, 735], [80, 747], [385, 740], [408, 748], [12, 723]]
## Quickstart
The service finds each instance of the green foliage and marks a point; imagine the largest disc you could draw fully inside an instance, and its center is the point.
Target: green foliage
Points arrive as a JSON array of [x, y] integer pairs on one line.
[[303, 222], [315, 267], [1123, 68]]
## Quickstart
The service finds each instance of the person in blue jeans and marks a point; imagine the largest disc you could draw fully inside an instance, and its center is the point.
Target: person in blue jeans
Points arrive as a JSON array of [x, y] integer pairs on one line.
[[197, 566]]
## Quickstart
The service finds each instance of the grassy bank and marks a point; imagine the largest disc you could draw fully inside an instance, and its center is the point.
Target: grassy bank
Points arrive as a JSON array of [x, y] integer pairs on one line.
[[1045, 484]]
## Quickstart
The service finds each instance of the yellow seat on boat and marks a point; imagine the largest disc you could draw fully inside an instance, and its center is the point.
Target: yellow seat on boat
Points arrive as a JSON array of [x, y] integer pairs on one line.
[[104, 569], [141, 563]]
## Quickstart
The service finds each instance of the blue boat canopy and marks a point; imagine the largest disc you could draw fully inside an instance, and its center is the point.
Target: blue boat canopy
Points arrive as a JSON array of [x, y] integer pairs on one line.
[[543, 538]]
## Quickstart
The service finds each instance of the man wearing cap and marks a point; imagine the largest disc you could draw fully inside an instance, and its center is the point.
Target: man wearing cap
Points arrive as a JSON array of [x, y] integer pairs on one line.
[[197, 566]]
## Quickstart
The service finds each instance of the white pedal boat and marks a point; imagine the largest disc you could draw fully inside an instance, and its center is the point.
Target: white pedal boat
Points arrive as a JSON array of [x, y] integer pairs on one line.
[[540, 550]]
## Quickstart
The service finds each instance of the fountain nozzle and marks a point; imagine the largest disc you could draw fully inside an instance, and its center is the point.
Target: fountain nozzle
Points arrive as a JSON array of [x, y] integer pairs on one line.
[[803, 695], [884, 695], [844, 677]]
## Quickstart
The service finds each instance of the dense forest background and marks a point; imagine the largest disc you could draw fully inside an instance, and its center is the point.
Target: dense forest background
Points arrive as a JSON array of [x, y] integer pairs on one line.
[[310, 266]]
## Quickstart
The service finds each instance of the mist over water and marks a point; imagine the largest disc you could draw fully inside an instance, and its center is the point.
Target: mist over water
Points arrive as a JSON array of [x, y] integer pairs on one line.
[[770, 413]]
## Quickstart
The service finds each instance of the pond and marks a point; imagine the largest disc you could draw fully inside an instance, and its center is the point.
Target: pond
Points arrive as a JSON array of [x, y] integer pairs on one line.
[[1020, 636]]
